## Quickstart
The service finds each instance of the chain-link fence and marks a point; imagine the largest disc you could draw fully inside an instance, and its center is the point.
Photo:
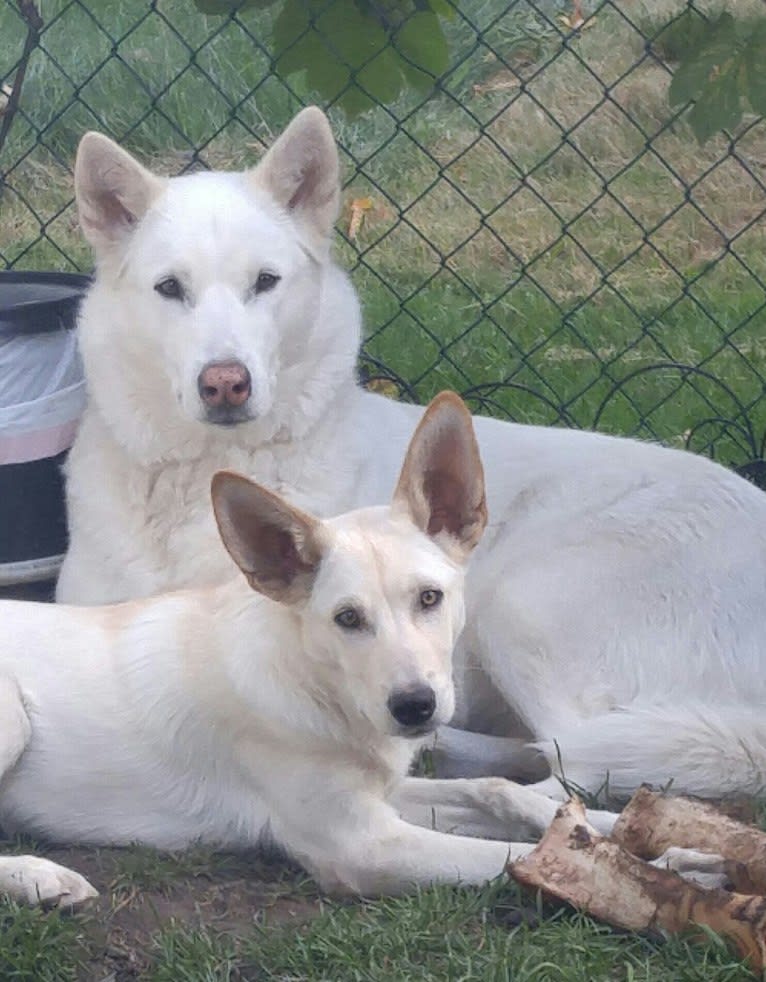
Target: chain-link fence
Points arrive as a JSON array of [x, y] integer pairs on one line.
[[539, 230]]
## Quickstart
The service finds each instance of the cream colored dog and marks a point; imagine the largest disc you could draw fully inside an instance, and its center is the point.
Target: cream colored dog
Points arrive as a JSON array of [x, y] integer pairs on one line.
[[285, 709]]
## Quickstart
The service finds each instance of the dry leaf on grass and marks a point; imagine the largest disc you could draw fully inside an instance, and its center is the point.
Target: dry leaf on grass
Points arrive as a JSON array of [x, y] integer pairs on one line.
[[359, 207], [575, 864], [6, 91], [576, 20], [383, 386], [652, 822], [500, 82]]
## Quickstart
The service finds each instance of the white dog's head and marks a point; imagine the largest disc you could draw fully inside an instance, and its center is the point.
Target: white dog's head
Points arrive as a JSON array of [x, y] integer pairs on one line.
[[378, 593], [211, 308]]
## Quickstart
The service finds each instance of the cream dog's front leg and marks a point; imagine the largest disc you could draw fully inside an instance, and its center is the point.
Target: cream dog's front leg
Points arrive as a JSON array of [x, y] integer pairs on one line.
[[499, 809], [33, 880], [361, 845], [30, 879]]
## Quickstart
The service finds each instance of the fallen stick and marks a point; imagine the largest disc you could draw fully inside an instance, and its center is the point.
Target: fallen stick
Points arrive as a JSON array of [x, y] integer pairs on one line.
[[575, 864], [652, 822]]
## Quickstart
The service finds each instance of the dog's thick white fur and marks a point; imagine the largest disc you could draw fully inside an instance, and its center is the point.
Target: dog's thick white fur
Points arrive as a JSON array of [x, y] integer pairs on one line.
[[616, 609], [286, 715]]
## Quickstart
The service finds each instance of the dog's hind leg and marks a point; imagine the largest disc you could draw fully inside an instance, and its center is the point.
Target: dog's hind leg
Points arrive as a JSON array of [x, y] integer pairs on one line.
[[709, 750], [15, 728], [461, 753], [30, 879]]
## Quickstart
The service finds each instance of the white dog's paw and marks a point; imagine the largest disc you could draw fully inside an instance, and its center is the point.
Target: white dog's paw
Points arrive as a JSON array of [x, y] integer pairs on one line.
[[33, 880], [706, 869]]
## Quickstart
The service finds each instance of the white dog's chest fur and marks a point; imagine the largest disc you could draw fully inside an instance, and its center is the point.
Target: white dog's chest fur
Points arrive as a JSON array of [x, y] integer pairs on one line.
[[165, 519]]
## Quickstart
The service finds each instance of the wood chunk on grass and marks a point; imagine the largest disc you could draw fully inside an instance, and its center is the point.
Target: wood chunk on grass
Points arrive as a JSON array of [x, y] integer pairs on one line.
[[575, 864], [653, 822]]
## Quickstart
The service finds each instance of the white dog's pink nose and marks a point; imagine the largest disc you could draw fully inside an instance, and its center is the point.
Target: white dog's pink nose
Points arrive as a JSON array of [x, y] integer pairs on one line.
[[224, 383]]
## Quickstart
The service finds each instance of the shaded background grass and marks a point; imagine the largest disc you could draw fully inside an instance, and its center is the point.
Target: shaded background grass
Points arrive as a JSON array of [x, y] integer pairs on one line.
[[543, 232]]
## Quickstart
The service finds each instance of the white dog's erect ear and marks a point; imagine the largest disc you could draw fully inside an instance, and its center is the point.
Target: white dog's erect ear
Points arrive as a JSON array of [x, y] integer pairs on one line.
[[442, 481], [301, 171], [275, 545], [113, 190]]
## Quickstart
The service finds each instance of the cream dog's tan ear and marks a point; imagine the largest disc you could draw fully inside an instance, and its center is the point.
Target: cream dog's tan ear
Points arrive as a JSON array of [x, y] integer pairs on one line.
[[276, 546], [301, 172], [113, 191], [441, 485]]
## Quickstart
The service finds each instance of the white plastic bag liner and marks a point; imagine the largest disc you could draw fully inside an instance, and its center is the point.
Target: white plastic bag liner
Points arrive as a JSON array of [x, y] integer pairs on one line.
[[42, 395]]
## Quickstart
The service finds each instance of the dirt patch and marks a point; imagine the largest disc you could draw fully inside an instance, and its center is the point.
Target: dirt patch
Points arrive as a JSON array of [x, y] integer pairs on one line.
[[142, 892]]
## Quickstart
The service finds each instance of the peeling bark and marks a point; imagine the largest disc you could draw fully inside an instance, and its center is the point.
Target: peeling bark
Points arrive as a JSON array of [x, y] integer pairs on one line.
[[653, 822], [575, 864]]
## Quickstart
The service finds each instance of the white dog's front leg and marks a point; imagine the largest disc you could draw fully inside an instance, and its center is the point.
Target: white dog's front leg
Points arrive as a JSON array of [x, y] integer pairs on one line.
[[490, 807], [32, 880]]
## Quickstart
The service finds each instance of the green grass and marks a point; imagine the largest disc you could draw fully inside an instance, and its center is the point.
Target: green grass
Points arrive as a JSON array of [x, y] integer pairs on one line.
[[39, 946], [143, 868], [440, 935], [492, 935], [494, 251]]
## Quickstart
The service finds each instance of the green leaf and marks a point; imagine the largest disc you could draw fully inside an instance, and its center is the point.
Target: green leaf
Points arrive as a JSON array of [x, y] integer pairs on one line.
[[719, 107], [298, 55], [347, 55], [295, 43], [754, 72], [353, 37], [217, 8], [420, 81], [421, 41], [443, 8], [388, 14], [682, 35], [354, 102], [716, 48], [382, 77], [327, 75]]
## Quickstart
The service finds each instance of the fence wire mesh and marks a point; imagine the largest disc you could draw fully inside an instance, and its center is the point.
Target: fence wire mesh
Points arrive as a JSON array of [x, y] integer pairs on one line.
[[539, 231]]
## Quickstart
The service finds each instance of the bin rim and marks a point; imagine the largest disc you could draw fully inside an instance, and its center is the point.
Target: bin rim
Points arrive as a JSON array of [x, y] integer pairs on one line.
[[32, 315]]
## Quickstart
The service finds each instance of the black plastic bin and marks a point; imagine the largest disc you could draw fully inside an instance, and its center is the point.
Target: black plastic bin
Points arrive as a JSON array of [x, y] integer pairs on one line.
[[42, 395]]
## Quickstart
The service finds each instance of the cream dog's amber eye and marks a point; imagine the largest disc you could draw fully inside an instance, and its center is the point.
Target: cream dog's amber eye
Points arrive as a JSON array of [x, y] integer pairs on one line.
[[348, 618], [431, 598]]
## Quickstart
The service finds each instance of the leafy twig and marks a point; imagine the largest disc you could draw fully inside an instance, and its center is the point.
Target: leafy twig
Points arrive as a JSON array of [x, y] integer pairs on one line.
[[31, 17]]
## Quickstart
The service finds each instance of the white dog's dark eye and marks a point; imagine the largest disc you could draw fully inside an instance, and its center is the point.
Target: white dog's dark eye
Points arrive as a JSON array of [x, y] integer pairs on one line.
[[170, 288], [348, 618], [431, 598], [265, 282]]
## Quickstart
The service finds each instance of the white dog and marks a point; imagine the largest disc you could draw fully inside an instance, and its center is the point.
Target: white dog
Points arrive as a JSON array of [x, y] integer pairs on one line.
[[616, 611], [290, 717]]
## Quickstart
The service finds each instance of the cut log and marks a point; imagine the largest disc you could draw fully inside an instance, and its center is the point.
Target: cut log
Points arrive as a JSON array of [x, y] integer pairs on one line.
[[652, 822], [575, 864]]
